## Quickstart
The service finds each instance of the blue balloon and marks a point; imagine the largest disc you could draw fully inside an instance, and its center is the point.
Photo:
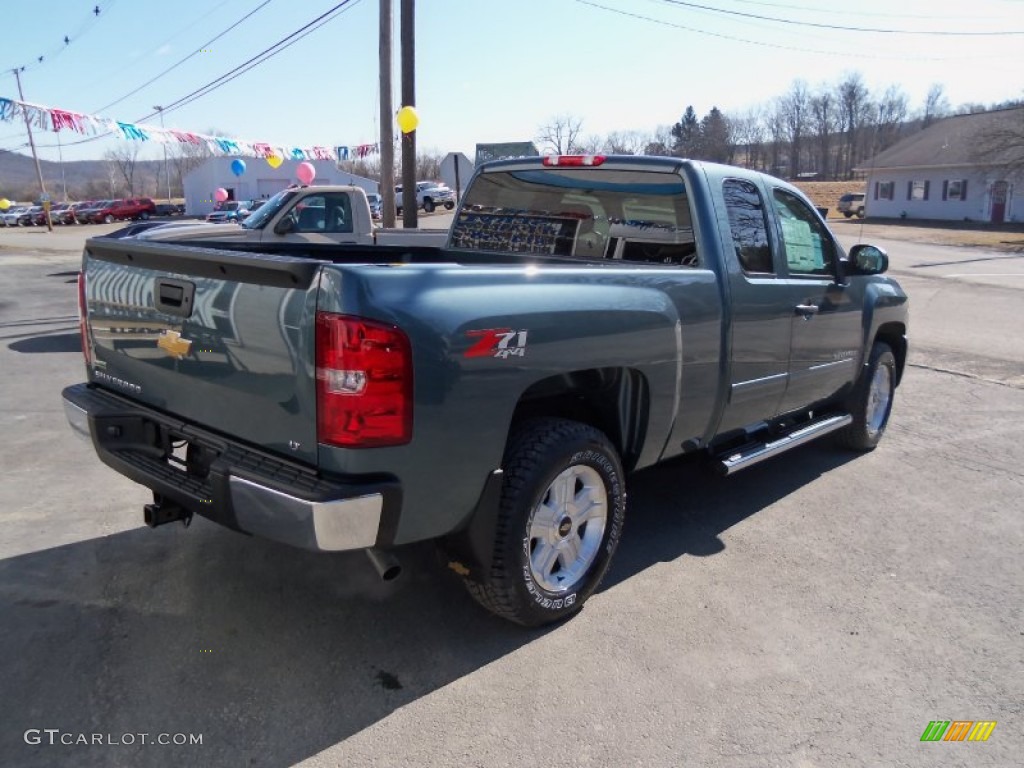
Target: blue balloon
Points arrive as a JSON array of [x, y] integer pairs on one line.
[[238, 167]]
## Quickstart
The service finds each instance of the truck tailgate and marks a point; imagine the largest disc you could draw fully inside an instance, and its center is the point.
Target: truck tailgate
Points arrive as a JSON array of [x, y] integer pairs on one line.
[[219, 339]]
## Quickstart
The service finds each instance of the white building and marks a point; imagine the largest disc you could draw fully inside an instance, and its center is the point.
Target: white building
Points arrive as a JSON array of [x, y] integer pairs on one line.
[[258, 181], [960, 168]]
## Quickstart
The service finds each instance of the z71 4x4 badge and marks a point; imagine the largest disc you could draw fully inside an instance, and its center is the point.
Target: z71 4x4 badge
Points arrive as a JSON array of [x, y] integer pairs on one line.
[[497, 342]]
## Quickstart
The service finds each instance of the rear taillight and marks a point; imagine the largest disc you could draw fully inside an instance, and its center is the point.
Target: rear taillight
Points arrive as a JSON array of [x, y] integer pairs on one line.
[[83, 317], [363, 382], [571, 161]]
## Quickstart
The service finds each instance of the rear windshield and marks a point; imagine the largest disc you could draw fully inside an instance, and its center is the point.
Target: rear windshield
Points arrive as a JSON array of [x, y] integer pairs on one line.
[[590, 213]]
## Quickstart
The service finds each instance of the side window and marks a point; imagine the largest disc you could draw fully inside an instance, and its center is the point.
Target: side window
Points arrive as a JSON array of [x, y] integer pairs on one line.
[[339, 212], [749, 226], [810, 249], [310, 214]]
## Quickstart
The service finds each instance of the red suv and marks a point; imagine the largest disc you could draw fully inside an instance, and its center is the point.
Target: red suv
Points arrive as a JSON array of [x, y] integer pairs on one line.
[[135, 208]]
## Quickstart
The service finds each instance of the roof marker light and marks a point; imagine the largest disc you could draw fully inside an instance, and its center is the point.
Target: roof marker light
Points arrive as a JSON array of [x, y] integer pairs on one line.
[[570, 161]]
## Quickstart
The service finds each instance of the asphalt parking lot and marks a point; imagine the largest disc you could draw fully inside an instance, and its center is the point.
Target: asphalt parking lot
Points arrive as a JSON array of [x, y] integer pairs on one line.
[[816, 610]]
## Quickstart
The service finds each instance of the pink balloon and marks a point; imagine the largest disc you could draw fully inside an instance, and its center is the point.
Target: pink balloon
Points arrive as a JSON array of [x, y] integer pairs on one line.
[[306, 173], [220, 195]]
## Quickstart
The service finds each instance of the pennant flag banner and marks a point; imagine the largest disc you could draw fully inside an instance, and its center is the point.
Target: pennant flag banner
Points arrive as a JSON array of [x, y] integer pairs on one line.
[[48, 119]]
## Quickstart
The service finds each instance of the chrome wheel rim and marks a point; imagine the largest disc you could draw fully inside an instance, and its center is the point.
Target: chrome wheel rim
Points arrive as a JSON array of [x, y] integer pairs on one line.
[[878, 399], [566, 528]]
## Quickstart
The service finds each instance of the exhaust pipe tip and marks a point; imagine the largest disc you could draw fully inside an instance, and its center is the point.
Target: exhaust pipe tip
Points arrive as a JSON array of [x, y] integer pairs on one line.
[[386, 564]]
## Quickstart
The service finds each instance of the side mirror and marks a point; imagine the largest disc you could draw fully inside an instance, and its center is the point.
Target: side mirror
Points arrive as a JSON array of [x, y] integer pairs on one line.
[[867, 260], [285, 225]]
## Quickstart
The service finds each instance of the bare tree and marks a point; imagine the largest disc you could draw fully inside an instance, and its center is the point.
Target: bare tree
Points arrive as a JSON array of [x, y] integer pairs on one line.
[[659, 142], [1001, 143], [795, 107], [367, 167], [625, 143], [561, 134], [590, 145], [892, 112], [776, 122], [122, 160], [428, 166], [853, 98], [824, 120], [936, 105], [185, 157], [748, 131]]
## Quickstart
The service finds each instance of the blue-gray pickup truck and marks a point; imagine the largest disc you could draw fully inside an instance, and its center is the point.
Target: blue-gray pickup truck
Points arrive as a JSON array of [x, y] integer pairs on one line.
[[589, 316]]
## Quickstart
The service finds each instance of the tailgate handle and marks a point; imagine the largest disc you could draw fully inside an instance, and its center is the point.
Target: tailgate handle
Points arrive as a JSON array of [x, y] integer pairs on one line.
[[174, 297]]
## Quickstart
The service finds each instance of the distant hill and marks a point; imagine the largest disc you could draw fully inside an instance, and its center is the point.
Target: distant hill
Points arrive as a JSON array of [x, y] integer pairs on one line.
[[84, 178]]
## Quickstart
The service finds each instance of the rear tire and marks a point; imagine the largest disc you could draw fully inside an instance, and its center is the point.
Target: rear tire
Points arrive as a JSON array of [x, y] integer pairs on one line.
[[847, 214], [428, 205], [563, 504], [870, 402], [860, 213], [108, 219]]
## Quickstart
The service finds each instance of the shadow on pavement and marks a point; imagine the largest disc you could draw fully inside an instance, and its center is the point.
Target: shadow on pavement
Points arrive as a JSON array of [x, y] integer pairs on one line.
[[61, 342], [275, 654], [681, 506]]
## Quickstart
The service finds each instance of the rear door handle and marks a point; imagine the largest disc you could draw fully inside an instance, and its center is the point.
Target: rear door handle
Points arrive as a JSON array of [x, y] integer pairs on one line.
[[807, 311]]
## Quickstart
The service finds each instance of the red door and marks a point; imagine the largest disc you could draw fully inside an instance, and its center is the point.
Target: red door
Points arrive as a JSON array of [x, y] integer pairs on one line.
[[1000, 191]]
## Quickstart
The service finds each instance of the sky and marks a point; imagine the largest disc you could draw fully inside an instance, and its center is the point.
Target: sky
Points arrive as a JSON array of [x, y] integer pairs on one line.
[[486, 70]]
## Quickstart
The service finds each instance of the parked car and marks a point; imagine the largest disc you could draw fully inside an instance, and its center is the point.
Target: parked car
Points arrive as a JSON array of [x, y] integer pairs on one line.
[[376, 204], [105, 213], [852, 205], [167, 209], [30, 216], [83, 214], [58, 213], [255, 206], [70, 214], [431, 194], [123, 210], [141, 207], [230, 211], [11, 215]]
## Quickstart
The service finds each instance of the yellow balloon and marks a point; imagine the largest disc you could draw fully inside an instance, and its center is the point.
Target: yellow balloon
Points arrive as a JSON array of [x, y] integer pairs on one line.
[[408, 119], [4, 203], [274, 161]]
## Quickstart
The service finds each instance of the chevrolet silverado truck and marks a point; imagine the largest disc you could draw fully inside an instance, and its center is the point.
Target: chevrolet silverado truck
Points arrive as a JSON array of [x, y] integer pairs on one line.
[[589, 316], [321, 215]]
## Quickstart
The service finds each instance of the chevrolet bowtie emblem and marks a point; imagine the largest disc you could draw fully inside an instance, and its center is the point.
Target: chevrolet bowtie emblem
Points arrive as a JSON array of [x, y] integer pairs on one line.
[[172, 343]]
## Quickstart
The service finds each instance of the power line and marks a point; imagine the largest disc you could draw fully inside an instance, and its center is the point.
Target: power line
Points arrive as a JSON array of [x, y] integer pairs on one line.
[[842, 28], [268, 53], [855, 12], [762, 43], [68, 39], [182, 61]]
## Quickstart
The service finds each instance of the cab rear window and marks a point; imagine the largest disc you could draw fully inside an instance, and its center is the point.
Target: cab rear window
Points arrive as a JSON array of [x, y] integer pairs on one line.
[[593, 213]]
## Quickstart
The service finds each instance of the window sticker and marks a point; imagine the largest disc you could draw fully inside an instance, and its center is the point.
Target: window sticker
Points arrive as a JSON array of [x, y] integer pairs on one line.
[[803, 246]]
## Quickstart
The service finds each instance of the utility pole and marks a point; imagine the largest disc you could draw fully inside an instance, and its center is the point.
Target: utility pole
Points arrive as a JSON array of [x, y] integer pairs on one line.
[[32, 143], [164, 145], [409, 100], [387, 120]]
